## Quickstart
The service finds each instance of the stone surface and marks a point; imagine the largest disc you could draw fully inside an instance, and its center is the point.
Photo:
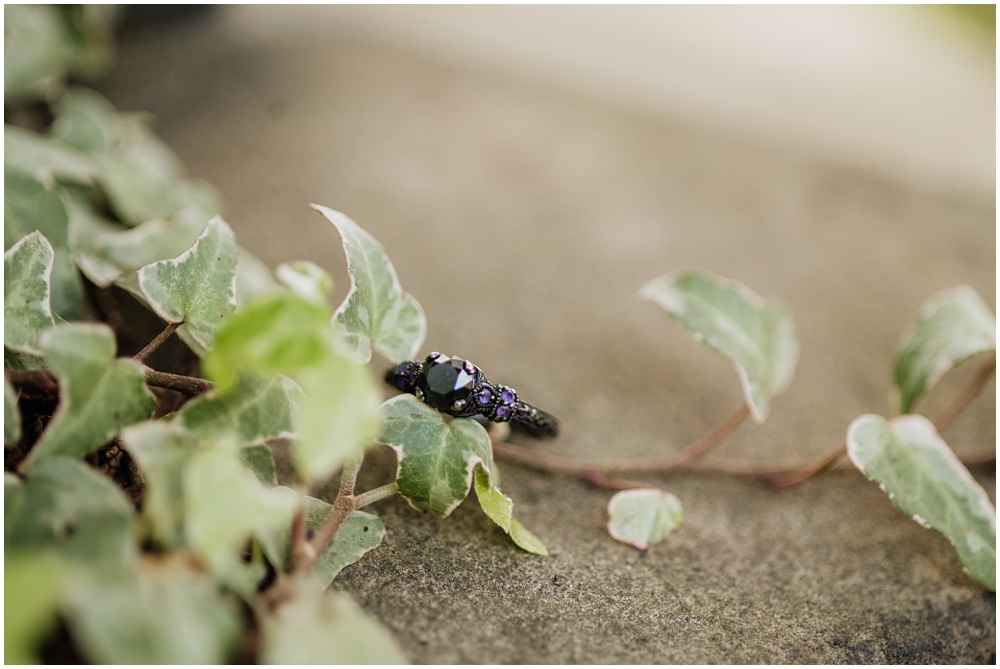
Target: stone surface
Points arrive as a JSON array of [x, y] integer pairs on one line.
[[571, 203]]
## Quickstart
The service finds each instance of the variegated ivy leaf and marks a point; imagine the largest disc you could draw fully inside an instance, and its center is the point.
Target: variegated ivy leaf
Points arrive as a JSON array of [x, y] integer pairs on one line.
[[730, 319], [27, 312], [286, 334], [915, 467], [98, 395], [44, 157], [198, 287], [259, 458], [500, 509], [360, 532], [322, 627], [66, 507], [643, 517], [436, 460], [165, 613], [256, 409], [225, 504], [306, 279], [31, 205], [33, 583], [952, 326], [377, 312], [253, 278]]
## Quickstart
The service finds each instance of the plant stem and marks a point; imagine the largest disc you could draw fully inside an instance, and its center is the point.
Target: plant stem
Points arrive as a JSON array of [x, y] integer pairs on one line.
[[301, 549], [156, 343], [190, 386], [585, 469], [375, 495], [944, 418], [342, 507]]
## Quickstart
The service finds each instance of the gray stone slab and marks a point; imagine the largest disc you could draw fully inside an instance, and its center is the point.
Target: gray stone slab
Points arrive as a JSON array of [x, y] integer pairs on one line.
[[525, 220]]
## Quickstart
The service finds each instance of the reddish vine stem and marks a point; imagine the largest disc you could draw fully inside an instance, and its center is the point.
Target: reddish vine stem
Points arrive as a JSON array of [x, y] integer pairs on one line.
[[944, 418], [156, 343], [42, 380], [587, 469]]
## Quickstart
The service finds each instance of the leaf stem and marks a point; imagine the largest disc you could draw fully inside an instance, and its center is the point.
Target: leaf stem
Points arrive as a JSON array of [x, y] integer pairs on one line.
[[342, 507], [944, 418], [156, 343], [190, 386], [375, 495], [585, 469]]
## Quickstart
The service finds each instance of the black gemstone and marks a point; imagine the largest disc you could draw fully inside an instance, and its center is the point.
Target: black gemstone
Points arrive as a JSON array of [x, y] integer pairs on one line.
[[445, 381]]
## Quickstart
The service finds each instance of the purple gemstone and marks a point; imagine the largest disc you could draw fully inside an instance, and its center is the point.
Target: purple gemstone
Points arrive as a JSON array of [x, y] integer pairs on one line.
[[401, 383], [507, 396], [484, 396], [503, 412]]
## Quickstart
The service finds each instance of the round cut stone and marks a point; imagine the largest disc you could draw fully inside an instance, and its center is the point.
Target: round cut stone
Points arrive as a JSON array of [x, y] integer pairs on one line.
[[445, 381], [507, 395], [484, 397], [503, 412]]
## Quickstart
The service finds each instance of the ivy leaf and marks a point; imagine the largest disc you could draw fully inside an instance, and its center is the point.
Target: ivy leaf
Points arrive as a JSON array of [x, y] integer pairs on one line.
[[11, 416], [643, 517], [30, 205], [32, 583], [360, 532], [98, 394], [140, 176], [306, 279], [198, 287], [376, 311], [162, 449], [952, 326], [37, 52], [66, 507], [286, 334], [37, 154], [436, 460], [163, 614], [908, 459], [85, 121], [260, 460], [500, 509], [105, 251], [27, 269], [322, 627], [730, 319], [256, 409], [225, 504], [253, 278]]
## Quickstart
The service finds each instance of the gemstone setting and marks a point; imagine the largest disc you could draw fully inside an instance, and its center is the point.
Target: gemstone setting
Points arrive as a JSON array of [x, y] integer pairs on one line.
[[446, 383]]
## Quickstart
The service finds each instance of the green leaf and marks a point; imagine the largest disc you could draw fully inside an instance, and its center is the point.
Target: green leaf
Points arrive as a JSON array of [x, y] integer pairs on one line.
[[162, 450], [164, 614], [256, 409], [318, 627], [525, 540], [32, 583], [37, 52], [66, 507], [105, 251], [198, 287], [11, 415], [952, 326], [98, 395], [908, 459], [29, 205], [279, 334], [376, 311], [260, 460], [436, 460], [500, 509], [37, 154], [85, 121], [306, 279], [643, 517], [286, 334], [140, 177], [730, 319], [225, 504], [360, 532], [27, 269], [253, 278]]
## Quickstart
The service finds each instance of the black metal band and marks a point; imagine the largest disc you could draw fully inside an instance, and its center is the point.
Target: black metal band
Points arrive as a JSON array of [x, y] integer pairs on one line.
[[459, 388]]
